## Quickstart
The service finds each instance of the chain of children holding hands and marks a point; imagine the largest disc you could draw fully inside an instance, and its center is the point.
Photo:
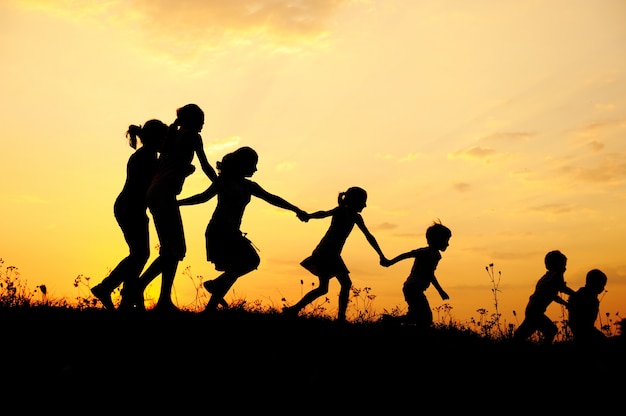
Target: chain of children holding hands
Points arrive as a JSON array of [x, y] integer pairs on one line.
[[155, 174]]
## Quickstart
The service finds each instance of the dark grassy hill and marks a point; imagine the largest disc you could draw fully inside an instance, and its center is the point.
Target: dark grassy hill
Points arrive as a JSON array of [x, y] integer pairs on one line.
[[95, 361]]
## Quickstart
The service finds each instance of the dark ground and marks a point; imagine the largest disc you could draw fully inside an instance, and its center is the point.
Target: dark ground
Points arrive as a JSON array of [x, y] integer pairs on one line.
[[98, 362]]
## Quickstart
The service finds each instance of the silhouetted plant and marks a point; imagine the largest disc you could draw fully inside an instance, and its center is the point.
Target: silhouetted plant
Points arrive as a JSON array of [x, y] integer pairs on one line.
[[495, 284], [362, 302], [444, 315], [13, 291]]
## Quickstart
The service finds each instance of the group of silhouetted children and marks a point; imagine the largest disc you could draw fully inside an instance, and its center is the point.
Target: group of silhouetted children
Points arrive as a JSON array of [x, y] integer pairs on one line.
[[155, 175], [583, 305]]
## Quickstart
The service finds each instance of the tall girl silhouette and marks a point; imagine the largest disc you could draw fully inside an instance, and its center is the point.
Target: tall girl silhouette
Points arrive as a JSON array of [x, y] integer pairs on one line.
[[183, 142], [130, 210]]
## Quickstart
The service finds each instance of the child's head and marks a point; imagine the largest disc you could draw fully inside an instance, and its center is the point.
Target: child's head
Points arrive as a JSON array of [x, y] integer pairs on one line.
[[354, 198], [438, 236], [151, 134], [555, 261], [240, 163], [190, 117], [595, 281]]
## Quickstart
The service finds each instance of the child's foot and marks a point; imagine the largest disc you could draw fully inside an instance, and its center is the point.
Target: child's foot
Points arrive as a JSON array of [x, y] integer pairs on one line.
[[132, 300], [104, 296], [212, 286], [290, 311], [165, 308]]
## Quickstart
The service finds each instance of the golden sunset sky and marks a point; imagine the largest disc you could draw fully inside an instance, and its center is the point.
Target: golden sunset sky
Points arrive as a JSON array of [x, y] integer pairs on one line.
[[506, 120]]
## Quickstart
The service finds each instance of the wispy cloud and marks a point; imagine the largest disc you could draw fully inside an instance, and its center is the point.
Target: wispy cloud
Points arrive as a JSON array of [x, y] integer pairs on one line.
[[474, 153], [611, 170], [186, 27], [600, 126], [553, 208], [286, 166], [508, 137], [220, 146], [461, 186]]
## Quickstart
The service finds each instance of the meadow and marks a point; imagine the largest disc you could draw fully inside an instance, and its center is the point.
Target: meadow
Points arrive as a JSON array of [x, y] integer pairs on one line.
[[75, 357]]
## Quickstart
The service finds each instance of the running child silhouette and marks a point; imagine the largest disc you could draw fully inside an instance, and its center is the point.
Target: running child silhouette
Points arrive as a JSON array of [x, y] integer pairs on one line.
[[422, 275], [546, 291], [226, 246], [325, 262]]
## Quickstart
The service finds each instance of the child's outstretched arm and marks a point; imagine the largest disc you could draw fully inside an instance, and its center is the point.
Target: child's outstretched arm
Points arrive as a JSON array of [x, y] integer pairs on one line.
[[209, 193], [279, 202], [370, 238], [396, 259]]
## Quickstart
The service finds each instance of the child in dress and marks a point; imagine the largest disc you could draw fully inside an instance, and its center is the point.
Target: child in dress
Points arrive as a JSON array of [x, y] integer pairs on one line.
[[325, 262]]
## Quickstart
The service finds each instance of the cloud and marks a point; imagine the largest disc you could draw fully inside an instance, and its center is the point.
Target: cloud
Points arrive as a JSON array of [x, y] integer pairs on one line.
[[410, 157], [184, 28], [612, 169], [476, 152], [386, 226], [553, 208], [286, 166], [601, 126], [461, 186], [508, 137], [222, 145]]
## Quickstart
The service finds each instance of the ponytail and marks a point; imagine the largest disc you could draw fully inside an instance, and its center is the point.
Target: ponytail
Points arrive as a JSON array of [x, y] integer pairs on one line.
[[132, 133]]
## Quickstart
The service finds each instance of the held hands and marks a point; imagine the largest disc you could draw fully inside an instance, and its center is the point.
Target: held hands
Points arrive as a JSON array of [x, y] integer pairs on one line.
[[384, 261], [303, 216]]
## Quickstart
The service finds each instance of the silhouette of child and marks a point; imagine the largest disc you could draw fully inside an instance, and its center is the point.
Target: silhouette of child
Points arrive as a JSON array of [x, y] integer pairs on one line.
[[546, 291], [226, 246], [584, 306], [422, 275], [130, 209], [183, 142], [325, 261]]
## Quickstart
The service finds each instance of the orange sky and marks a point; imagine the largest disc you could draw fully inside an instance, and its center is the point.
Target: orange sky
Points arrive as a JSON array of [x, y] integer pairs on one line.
[[505, 120]]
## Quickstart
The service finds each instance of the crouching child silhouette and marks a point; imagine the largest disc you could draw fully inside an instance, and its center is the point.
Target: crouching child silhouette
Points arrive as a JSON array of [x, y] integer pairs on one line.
[[584, 306]]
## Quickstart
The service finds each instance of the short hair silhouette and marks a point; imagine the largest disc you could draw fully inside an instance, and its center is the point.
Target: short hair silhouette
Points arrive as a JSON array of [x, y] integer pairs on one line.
[[596, 279], [437, 232], [555, 260]]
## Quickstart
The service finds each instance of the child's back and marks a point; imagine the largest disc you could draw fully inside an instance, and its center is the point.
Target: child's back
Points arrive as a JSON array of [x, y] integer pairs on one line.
[[584, 306]]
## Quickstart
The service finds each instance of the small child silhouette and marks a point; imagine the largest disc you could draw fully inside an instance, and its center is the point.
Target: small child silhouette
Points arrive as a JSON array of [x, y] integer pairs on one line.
[[325, 261], [422, 275], [584, 306], [546, 291]]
